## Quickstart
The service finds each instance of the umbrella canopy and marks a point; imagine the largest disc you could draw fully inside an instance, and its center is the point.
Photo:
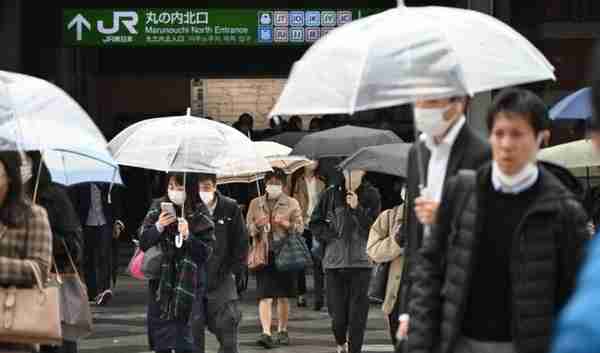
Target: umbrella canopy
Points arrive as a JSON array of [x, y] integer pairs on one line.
[[289, 139], [387, 159], [35, 115], [572, 155], [408, 53], [574, 106], [68, 169], [187, 144], [277, 155], [342, 141]]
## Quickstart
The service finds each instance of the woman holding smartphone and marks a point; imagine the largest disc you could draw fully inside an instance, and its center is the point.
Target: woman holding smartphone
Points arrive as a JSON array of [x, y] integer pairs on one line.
[[176, 296]]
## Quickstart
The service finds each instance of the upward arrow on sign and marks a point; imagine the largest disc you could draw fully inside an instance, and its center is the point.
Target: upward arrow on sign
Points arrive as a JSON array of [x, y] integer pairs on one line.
[[79, 22]]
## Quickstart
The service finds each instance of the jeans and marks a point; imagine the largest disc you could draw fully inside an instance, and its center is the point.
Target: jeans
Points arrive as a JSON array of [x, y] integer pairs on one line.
[[98, 242], [348, 303]]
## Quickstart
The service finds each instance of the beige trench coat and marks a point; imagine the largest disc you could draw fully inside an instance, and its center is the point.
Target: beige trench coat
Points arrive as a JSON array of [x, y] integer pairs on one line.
[[382, 247], [300, 193]]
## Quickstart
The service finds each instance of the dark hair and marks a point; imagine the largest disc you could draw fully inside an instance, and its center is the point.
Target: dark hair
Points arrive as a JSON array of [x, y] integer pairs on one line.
[[522, 102], [277, 173], [595, 121], [315, 124], [246, 118], [191, 188], [45, 179], [207, 177], [15, 209]]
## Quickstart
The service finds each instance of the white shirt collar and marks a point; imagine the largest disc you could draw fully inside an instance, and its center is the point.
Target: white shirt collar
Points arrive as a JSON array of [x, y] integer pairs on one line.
[[450, 137]]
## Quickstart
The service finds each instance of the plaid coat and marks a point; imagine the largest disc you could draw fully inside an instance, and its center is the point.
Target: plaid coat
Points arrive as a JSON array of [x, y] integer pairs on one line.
[[33, 242]]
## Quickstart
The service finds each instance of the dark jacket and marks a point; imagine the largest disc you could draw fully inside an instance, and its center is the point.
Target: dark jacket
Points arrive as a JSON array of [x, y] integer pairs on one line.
[[231, 244], [547, 249], [81, 198], [342, 230], [163, 334], [470, 151], [65, 226]]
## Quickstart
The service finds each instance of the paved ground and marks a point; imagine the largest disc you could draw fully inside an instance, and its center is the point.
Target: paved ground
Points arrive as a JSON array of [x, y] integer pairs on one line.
[[120, 328]]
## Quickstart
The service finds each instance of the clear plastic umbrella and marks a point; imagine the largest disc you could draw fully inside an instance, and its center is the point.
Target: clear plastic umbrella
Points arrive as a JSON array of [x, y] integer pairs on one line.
[[187, 144], [35, 115], [409, 53]]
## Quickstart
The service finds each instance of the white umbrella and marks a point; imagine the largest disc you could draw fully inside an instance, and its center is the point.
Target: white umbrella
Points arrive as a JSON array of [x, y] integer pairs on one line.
[[187, 144], [278, 157], [572, 155], [407, 53], [35, 115], [68, 168]]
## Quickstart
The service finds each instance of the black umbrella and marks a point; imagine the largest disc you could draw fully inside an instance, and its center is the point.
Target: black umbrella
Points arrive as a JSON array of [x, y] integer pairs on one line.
[[387, 159], [342, 141], [289, 139]]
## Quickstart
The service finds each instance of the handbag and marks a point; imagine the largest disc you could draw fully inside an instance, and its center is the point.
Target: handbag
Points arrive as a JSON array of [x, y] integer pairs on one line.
[[30, 315], [294, 255], [75, 311], [379, 280], [258, 256], [152, 260], [135, 264]]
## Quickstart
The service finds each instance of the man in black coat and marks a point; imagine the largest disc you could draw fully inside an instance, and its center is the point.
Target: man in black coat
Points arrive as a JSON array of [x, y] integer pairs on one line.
[[227, 260], [447, 145], [102, 224]]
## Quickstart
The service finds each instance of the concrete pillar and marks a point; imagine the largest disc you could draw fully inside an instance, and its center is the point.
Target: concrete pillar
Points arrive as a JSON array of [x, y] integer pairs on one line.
[[11, 35]]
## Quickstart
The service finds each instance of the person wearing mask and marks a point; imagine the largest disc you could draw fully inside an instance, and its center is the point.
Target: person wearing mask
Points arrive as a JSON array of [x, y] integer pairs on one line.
[[276, 215], [64, 224], [176, 297], [447, 144], [383, 246], [506, 245], [307, 190], [341, 222], [228, 259], [101, 223], [577, 329], [25, 235]]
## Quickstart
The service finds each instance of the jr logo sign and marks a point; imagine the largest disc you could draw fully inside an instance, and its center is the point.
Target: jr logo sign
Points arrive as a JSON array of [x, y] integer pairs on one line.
[[128, 18]]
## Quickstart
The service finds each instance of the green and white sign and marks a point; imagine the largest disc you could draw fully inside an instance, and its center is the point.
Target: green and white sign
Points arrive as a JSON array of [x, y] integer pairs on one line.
[[202, 27]]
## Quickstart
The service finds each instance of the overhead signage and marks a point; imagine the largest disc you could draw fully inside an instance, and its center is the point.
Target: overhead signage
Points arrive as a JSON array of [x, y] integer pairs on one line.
[[202, 27]]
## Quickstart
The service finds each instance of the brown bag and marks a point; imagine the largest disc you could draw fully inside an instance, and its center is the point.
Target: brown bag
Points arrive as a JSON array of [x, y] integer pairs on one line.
[[30, 315], [258, 256]]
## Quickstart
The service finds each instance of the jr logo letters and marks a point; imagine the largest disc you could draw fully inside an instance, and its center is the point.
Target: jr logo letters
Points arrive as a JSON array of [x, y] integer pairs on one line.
[[128, 18]]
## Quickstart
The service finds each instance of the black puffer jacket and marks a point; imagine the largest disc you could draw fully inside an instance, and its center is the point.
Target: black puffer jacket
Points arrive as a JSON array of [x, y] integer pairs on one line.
[[548, 247]]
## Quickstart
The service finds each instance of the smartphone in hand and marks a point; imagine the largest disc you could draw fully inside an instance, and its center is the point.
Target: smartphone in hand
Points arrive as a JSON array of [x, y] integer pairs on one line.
[[167, 207]]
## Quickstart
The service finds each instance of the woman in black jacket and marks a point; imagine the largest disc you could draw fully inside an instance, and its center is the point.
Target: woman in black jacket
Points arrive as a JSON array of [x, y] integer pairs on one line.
[[178, 292], [64, 223], [505, 248]]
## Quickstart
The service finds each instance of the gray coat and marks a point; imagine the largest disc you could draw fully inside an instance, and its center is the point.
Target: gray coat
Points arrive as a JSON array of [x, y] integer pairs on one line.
[[345, 231]]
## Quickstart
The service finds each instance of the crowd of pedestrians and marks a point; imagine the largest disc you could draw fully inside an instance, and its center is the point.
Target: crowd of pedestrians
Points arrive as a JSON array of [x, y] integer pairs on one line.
[[482, 255]]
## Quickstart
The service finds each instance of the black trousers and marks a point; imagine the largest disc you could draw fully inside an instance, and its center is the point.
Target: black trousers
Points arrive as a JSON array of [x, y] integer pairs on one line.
[[348, 303], [394, 324], [223, 321], [98, 259]]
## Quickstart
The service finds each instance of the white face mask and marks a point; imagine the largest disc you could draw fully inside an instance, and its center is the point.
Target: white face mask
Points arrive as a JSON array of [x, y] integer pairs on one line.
[[26, 169], [274, 191], [207, 197], [431, 121], [177, 196]]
